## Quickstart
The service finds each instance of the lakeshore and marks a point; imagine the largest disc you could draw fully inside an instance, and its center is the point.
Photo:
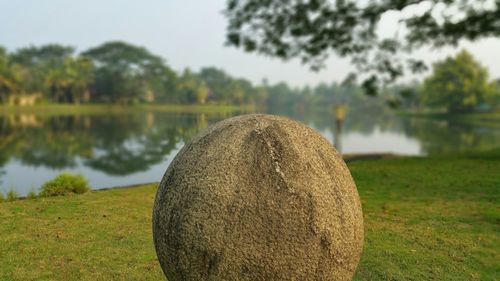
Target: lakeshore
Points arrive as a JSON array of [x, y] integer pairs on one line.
[[96, 109], [425, 218], [482, 118]]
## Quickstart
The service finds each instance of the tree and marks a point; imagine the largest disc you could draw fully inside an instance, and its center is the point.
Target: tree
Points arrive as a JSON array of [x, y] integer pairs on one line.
[[10, 77], [249, 92], [219, 83], [312, 29], [39, 65], [459, 84], [225, 88], [192, 89], [495, 101], [280, 97], [69, 81], [33, 56], [236, 92], [82, 75], [127, 73]]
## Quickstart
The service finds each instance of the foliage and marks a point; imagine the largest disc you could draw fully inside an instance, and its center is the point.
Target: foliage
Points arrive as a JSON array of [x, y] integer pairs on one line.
[[39, 67], [113, 72], [10, 77], [2, 197], [31, 194], [69, 81], [458, 84], [122, 73], [406, 96], [33, 56], [11, 195], [63, 184], [312, 29], [425, 219], [126, 73], [49, 70], [192, 89], [118, 72]]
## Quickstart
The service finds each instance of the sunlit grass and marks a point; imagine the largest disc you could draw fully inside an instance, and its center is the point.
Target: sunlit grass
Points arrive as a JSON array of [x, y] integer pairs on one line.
[[96, 236], [58, 109], [430, 218], [425, 219]]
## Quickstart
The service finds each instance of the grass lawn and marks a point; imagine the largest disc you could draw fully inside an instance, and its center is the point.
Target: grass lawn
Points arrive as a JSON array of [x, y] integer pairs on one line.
[[64, 109], [425, 219]]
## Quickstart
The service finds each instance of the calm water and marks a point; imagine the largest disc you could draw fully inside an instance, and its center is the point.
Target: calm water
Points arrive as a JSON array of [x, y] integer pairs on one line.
[[116, 150]]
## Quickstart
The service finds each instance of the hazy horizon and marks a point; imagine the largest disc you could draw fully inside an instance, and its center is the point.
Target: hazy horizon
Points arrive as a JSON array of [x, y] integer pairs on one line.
[[186, 34]]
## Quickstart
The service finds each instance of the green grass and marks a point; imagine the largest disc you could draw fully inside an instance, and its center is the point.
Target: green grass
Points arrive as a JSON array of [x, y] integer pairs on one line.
[[95, 109], [11, 195], [32, 194], [430, 218], [96, 236], [425, 219]]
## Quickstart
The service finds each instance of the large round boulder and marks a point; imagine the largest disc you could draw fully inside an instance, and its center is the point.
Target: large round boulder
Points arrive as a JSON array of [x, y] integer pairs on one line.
[[258, 197]]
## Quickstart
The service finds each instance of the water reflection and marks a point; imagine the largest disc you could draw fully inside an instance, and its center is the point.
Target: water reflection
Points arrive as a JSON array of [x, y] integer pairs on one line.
[[133, 148], [380, 131], [447, 136]]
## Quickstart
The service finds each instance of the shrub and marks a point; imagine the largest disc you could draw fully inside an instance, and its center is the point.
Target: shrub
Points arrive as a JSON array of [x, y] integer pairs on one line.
[[12, 195], [32, 194], [2, 198], [65, 183]]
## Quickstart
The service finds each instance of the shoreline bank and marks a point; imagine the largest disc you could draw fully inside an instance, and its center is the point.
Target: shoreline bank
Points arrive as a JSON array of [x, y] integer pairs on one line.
[[96, 109]]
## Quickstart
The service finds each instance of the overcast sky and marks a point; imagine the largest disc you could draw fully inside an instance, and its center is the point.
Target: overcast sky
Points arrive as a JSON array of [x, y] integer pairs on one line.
[[187, 33]]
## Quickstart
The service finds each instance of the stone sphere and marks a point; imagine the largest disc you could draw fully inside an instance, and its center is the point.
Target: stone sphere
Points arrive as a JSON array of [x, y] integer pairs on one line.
[[258, 197]]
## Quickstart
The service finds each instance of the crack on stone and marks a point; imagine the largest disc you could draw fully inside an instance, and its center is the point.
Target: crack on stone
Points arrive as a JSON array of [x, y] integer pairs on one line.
[[272, 152]]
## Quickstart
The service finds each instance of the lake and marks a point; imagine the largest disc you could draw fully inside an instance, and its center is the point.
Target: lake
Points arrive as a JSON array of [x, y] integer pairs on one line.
[[130, 148]]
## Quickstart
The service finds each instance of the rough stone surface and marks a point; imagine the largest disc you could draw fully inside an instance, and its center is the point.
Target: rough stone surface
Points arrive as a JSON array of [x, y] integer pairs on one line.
[[258, 197]]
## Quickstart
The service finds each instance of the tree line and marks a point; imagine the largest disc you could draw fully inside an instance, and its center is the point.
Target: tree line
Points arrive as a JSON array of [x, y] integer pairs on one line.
[[119, 72], [457, 84]]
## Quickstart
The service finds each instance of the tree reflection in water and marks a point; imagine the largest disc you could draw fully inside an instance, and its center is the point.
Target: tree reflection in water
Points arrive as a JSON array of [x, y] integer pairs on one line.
[[434, 136], [114, 144], [142, 143]]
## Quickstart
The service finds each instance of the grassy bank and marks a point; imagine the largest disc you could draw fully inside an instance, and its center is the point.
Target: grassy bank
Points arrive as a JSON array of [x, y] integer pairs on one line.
[[60, 109], [484, 118], [425, 219]]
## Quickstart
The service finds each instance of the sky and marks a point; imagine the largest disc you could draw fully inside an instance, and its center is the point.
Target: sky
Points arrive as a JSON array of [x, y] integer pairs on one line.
[[187, 33]]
